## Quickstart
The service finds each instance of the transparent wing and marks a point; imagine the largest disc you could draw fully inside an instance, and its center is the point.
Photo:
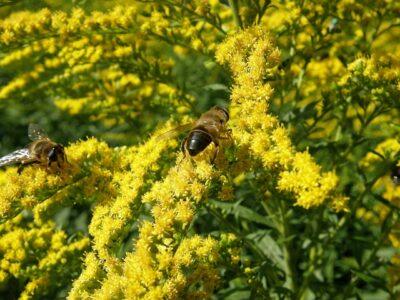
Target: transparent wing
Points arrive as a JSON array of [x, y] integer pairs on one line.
[[35, 132], [173, 132], [15, 157]]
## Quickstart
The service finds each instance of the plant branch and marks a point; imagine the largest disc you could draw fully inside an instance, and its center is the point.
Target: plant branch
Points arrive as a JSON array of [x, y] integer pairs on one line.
[[235, 9]]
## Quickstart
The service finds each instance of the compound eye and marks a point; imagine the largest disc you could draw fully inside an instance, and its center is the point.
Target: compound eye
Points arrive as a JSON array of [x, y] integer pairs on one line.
[[52, 154]]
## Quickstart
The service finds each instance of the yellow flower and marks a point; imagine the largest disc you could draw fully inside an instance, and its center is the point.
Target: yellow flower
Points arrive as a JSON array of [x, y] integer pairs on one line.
[[20, 236], [251, 55]]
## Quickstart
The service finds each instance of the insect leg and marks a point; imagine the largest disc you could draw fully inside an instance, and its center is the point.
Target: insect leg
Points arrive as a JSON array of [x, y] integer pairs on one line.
[[26, 163], [216, 151], [65, 158], [183, 144], [227, 135]]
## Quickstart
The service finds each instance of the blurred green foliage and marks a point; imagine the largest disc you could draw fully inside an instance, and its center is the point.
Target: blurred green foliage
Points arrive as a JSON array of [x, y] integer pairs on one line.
[[336, 91]]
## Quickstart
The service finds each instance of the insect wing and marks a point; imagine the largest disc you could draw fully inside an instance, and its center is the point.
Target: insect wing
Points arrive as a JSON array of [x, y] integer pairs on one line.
[[15, 157], [35, 132], [173, 132]]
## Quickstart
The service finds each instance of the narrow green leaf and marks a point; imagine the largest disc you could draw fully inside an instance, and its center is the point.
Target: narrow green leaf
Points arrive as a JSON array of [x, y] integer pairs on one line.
[[268, 246]]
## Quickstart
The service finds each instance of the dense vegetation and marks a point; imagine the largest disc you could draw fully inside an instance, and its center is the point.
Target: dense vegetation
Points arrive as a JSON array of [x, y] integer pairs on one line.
[[299, 203]]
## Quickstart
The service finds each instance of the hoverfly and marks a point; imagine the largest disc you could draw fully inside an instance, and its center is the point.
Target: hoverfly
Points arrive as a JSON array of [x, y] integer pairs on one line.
[[42, 151], [209, 128]]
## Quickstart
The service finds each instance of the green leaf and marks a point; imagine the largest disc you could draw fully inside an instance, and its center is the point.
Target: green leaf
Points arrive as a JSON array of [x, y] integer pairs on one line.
[[308, 295], [238, 295], [367, 295], [386, 253], [348, 263], [328, 269], [216, 87], [268, 246], [244, 213], [367, 277]]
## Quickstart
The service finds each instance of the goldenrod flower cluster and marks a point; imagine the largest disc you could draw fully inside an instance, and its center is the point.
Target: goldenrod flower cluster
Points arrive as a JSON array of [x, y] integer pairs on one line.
[[380, 73], [40, 255], [109, 59], [252, 56], [318, 52], [166, 262], [299, 199], [89, 175], [111, 216]]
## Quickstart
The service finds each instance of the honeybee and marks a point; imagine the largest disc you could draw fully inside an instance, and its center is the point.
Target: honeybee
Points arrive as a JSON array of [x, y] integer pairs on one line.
[[209, 128], [42, 151]]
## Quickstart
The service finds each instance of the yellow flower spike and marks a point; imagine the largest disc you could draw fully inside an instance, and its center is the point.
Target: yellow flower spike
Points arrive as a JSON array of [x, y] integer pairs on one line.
[[111, 217], [160, 253], [88, 278], [251, 55], [51, 249], [184, 213], [340, 203], [22, 190]]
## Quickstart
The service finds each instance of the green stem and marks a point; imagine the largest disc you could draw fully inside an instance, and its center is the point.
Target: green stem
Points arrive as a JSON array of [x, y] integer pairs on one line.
[[235, 9], [290, 265], [205, 18], [232, 228], [261, 256], [303, 286], [348, 292]]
